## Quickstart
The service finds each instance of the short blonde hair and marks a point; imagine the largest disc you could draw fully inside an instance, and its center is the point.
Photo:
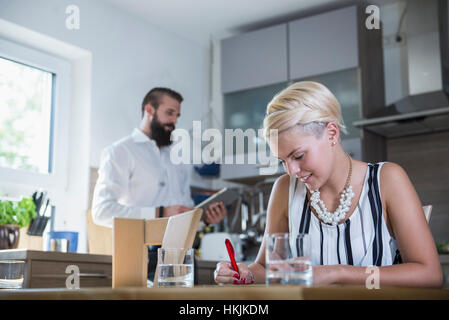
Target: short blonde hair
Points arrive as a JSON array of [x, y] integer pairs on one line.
[[302, 103]]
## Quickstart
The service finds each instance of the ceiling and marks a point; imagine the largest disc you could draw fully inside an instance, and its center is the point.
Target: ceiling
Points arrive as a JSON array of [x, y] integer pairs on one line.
[[201, 20]]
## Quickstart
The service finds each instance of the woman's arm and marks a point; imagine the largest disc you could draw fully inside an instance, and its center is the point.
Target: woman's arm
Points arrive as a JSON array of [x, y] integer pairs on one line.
[[420, 267]]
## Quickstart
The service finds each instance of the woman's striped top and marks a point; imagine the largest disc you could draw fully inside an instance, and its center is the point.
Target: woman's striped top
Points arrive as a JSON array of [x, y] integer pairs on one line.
[[362, 240]]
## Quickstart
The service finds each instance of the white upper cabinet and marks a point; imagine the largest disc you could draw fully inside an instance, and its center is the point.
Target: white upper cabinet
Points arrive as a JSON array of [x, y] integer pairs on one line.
[[254, 59], [291, 51], [336, 31]]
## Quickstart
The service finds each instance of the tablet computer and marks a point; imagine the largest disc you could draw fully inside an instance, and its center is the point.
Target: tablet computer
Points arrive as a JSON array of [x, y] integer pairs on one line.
[[226, 195]]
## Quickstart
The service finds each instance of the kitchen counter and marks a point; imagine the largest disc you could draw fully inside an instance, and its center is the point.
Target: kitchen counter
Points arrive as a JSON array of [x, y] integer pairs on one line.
[[215, 292]]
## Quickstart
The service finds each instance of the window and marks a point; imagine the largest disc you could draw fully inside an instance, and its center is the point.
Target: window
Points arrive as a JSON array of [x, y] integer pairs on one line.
[[34, 109], [25, 117], [68, 159]]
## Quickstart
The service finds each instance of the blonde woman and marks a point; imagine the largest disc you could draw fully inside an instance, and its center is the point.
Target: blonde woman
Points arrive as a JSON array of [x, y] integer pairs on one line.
[[357, 214]]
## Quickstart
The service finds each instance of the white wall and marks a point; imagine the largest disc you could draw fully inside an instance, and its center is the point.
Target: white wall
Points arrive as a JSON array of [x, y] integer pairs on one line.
[[129, 57]]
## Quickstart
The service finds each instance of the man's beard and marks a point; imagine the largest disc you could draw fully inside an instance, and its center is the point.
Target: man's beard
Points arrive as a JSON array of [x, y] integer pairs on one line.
[[159, 133]]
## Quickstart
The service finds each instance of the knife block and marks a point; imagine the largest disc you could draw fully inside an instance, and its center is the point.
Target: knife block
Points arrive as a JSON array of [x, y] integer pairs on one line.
[[30, 242], [37, 226]]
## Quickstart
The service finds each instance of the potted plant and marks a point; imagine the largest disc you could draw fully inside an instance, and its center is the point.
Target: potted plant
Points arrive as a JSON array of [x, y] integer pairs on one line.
[[13, 216]]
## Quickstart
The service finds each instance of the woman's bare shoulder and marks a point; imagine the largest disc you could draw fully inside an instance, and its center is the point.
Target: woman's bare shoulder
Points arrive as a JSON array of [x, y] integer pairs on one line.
[[392, 166], [393, 173], [396, 184], [282, 183], [278, 206], [280, 190]]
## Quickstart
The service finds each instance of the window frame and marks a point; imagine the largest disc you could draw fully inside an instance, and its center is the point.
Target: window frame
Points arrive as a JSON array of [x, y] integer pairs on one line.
[[59, 135]]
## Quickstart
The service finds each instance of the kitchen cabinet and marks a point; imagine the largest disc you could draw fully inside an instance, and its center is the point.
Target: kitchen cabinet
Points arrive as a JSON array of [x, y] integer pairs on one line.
[[250, 174], [254, 59], [334, 48], [206, 271], [246, 109], [345, 85], [323, 43], [309, 46], [45, 269]]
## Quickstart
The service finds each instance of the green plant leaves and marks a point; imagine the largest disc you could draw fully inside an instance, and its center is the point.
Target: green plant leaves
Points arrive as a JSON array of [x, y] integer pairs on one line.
[[17, 213]]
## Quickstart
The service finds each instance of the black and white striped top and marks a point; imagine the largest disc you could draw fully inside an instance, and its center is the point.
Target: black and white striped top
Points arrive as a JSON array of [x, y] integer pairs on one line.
[[362, 240]]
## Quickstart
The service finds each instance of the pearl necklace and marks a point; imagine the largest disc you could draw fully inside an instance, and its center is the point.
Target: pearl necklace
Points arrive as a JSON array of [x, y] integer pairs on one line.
[[346, 196]]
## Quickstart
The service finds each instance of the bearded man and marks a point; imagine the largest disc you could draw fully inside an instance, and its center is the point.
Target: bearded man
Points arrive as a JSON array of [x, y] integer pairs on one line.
[[136, 178]]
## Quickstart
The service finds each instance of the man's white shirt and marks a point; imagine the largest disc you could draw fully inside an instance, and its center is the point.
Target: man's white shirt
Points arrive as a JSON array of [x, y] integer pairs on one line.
[[135, 177]]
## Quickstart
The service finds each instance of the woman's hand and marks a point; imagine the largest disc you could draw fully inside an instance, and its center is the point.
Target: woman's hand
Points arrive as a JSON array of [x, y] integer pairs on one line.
[[225, 274]]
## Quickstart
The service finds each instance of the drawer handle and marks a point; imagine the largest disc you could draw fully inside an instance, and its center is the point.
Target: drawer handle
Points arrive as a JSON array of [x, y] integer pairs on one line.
[[84, 275], [93, 275]]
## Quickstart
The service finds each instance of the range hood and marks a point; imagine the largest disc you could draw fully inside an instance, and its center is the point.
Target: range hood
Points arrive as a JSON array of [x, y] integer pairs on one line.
[[426, 107]]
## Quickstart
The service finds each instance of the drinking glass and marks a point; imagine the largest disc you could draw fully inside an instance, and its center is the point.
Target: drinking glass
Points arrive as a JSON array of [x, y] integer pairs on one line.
[[11, 274], [287, 259], [175, 267]]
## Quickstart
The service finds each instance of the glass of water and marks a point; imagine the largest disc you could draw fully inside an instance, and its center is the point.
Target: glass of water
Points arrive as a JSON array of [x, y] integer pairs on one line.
[[175, 267], [11, 274], [287, 259]]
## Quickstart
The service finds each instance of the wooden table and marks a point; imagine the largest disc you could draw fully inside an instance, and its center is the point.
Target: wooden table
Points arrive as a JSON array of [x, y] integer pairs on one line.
[[254, 292]]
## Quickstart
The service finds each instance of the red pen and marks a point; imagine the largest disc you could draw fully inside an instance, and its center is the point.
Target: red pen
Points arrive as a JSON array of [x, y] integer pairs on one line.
[[231, 255]]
